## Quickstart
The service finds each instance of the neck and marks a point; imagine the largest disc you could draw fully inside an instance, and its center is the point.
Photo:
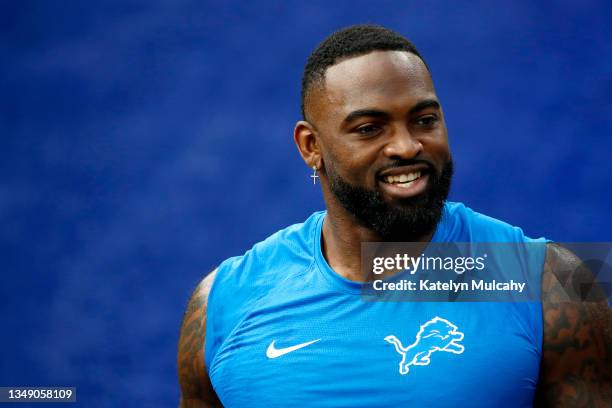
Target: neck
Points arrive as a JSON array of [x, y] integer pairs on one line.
[[341, 241]]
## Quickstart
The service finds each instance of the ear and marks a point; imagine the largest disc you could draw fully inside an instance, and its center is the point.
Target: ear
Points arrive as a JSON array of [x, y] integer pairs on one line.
[[307, 142]]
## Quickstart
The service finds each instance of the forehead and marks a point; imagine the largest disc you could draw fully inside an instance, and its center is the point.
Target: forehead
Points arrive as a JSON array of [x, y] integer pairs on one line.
[[381, 79]]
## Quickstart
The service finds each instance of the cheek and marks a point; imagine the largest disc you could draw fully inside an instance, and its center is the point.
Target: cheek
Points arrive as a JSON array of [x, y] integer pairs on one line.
[[442, 151], [350, 164], [438, 147]]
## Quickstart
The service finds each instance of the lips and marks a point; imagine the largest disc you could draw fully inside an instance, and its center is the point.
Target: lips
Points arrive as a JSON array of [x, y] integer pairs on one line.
[[404, 181]]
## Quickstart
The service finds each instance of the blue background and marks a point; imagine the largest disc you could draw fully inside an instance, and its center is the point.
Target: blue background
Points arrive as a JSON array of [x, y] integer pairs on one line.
[[145, 141]]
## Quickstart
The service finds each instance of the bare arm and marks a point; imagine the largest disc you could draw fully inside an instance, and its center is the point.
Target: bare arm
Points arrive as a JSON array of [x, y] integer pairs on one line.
[[196, 389], [576, 366]]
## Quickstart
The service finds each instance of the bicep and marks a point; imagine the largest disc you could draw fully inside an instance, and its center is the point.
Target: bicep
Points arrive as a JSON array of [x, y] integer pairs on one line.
[[196, 389], [577, 350]]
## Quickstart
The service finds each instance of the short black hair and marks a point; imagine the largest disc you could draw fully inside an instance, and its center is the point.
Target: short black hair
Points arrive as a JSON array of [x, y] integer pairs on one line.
[[349, 42]]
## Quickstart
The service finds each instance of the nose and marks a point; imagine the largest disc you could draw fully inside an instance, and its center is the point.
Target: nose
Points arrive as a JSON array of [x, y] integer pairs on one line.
[[403, 145]]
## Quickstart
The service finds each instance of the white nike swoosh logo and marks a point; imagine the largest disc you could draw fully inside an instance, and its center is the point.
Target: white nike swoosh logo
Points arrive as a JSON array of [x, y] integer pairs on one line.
[[273, 352]]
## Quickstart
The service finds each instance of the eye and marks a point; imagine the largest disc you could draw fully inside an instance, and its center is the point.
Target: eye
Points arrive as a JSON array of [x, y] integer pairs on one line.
[[368, 129], [427, 121]]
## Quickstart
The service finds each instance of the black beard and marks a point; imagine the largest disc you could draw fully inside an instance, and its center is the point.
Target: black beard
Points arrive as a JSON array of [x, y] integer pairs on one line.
[[409, 221]]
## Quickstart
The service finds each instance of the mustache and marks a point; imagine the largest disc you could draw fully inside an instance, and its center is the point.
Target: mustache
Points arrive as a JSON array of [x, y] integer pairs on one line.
[[401, 162]]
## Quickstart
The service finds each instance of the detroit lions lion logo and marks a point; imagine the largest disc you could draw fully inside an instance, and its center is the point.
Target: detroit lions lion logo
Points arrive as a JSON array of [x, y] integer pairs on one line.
[[438, 334]]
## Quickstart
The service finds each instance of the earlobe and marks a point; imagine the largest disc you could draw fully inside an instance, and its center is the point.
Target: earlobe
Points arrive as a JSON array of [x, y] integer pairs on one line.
[[306, 140]]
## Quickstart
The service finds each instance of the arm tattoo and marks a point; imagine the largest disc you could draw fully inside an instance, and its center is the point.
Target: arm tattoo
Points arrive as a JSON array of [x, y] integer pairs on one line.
[[196, 390], [577, 352]]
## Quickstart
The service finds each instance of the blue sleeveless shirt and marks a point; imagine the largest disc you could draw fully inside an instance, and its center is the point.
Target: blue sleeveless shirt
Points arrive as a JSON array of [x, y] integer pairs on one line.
[[284, 330]]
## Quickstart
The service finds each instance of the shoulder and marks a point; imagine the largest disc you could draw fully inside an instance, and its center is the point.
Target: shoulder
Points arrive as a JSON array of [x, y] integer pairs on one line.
[[243, 280], [291, 245], [567, 278], [465, 224]]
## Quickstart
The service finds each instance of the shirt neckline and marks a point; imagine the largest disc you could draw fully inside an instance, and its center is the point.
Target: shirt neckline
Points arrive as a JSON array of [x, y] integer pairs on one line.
[[345, 285]]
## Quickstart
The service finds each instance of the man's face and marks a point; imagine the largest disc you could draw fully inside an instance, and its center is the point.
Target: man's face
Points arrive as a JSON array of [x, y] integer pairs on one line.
[[384, 143]]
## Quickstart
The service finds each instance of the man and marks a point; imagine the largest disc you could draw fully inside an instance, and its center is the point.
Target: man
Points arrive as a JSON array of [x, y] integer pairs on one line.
[[285, 324]]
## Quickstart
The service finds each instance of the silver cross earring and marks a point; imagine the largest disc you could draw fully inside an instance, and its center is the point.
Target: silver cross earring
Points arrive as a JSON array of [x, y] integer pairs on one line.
[[314, 175]]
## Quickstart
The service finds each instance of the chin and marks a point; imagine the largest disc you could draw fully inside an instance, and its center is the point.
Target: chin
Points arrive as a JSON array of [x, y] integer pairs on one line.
[[396, 215]]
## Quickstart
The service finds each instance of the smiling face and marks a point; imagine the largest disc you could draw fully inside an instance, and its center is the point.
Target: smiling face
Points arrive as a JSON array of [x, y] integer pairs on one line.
[[382, 143]]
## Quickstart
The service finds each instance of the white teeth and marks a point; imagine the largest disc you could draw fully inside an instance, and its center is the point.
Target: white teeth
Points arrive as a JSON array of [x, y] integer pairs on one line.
[[403, 178]]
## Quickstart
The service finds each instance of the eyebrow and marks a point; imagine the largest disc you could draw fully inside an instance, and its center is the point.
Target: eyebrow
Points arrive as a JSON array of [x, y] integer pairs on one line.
[[376, 113], [422, 105], [371, 113]]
